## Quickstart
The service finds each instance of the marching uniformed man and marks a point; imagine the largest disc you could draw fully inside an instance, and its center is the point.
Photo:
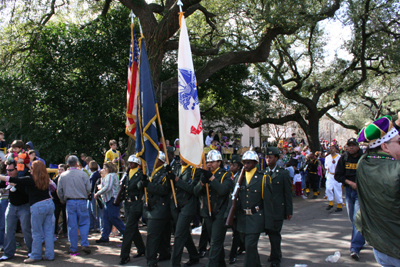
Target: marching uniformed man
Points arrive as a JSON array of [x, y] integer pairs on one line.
[[254, 207], [235, 167], [158, 213], [282, 200], [133, 210], [220, 186], [187, 178]]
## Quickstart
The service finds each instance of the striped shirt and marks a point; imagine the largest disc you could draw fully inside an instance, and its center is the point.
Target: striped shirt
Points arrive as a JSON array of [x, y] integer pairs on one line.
[[109, 187]]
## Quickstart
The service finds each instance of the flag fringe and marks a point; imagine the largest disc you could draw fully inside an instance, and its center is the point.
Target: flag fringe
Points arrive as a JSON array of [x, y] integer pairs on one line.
[[195, 165], [180, 17]]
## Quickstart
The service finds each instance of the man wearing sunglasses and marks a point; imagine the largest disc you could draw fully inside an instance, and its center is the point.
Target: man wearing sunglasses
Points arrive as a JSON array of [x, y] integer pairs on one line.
[[18, 209], [378, 188]]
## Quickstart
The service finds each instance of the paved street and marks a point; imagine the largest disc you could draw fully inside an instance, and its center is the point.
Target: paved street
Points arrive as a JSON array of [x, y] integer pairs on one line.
[[313, 234]]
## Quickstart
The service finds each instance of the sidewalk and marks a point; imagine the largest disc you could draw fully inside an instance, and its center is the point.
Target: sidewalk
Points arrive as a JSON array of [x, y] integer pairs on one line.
[[312, 235]]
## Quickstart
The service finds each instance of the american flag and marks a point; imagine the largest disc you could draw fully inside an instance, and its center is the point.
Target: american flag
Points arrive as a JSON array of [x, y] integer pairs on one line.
[[132, 88]]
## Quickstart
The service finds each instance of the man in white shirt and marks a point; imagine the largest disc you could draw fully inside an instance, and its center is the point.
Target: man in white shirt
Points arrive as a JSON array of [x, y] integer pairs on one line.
[[333, 188]]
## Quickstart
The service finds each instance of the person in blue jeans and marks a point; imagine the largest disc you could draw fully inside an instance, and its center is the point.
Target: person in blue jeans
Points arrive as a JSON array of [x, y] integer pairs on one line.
[[17, 209], [41, 208], [96, 213], [108, 190], [73, 188], [345, 173], [3, 207]]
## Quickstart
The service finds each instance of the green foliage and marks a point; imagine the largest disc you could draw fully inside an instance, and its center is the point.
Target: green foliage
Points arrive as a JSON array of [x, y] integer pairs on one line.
[[223, 94], [71, 94]]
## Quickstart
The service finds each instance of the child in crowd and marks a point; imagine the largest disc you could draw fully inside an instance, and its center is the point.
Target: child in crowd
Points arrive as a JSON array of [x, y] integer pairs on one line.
[[297, 183], [226, 165], [83, 158], [114, 155], [18, 154], [33, 157], [215, 145]]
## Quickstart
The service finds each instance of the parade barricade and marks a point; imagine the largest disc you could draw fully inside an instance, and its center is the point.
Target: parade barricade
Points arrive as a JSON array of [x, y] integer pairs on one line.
[[53, 172], [227, 152], [242, 150]]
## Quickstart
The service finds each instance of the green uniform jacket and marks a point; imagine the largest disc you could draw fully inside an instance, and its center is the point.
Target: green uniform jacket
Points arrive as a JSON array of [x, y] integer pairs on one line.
[[282, 197], [220, 189], [158, 197], [187, 201], [133, 191], [378, 188], [250, 195]]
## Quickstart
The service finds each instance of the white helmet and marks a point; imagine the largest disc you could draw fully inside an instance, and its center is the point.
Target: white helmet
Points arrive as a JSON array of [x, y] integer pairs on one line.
[[134, 159], [161, 156], [250, 155], [214, 155]]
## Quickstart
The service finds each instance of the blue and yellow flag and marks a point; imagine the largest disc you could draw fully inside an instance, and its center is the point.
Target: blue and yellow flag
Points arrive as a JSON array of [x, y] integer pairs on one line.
[[146, 132]]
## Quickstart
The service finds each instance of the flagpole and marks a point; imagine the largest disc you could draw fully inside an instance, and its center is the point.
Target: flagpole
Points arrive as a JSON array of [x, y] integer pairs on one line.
[[165, 152], [180, 4], [207, 189]]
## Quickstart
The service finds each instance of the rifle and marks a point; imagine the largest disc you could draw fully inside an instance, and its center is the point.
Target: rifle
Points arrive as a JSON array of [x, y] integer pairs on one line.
[[118, 199], [235, 194]]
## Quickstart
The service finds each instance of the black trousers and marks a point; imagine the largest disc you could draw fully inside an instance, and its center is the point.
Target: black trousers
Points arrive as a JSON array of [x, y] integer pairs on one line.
[[132, 233], [157, 239], [236, 243], [216, 232], [183, 238], [312, 181], [58, 208], [275, 240], [252, 258], [204, 238]]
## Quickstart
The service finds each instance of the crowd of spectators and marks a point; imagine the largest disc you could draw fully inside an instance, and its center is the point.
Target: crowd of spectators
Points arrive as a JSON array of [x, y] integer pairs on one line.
[[81, 197]]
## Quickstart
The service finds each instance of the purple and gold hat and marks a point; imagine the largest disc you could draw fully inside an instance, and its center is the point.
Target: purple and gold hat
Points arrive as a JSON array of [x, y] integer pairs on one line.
[[378, 132]]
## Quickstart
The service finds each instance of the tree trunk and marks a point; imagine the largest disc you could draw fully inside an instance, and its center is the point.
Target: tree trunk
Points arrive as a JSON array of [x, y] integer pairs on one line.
[[131, 147], [312, 133]]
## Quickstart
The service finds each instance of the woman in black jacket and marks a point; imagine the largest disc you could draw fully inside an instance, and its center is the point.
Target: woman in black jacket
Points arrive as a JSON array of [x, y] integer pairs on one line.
[[42, 209]]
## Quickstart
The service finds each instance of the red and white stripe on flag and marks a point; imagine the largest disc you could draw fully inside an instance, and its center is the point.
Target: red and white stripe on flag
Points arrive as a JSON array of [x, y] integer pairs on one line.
[[132, 87], [190, 126]]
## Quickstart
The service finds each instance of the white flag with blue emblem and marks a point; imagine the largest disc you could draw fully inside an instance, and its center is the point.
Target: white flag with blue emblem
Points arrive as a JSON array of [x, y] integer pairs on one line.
[[190, 126]]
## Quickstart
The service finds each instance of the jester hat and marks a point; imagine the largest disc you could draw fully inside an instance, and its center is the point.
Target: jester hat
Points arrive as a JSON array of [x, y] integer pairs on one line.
[[378, 132]]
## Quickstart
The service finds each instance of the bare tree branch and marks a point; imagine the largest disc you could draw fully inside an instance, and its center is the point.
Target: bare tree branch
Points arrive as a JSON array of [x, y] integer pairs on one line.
[[155, 8], [257, 55], [173, 45], [341, 123], [106, 7], [209, 109], [208, 15], [279, 121], [48, 16]]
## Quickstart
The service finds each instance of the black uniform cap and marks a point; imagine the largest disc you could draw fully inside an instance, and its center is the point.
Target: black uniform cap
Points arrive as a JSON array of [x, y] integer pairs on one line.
[[273, 151]]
